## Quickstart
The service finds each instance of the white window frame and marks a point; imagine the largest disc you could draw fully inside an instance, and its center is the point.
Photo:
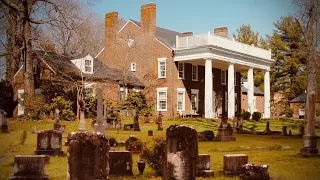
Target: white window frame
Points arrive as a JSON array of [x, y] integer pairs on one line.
[[183, 91], [195, 91], [133, 66], [182, 64], [161, 60], [224, 81], [165, 90], [125, 93], [196, 79], [89, 66]]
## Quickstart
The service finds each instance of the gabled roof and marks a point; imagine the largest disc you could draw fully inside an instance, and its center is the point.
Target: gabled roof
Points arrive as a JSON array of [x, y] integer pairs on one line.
[[257, 91], [300, 99], [165, 36]]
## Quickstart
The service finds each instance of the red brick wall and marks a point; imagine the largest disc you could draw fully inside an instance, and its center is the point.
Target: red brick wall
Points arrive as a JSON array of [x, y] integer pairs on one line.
[[259, 103]]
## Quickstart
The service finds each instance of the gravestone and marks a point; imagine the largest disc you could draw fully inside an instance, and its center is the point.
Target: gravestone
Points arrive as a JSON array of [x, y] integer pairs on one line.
[[82, 126], [254, 172], [57, 124], [88, 156], [284, 131], [49, 142], [225, 133], [203, 166], [182, 153], [159, 121], [290, 133], [99, 126], [120, 163], [206, 135], [232, 163], [4, 123], [29, 167], [267, 130], [150, 133]]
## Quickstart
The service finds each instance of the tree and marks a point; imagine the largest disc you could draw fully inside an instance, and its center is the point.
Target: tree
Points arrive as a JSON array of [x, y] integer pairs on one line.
[[246, 35]]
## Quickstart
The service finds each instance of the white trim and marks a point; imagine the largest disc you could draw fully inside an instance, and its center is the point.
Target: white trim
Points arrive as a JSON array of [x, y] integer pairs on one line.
[[45, 63], [197, 72], [133, 66], [162, 89], [183, 71], [126, 24], [17, 72], [181, 90], [99, 53], [163, 44], [163, 59], [195, 91]]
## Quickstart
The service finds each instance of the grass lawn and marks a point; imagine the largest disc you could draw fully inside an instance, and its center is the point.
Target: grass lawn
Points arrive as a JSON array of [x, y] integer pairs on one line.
[[283, 163]]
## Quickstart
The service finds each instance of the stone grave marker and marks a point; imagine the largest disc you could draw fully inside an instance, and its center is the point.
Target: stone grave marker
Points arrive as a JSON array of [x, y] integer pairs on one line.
[[57, 124], [182, 153], [284, 131], [290, 133], [82, 126], [4, 123], [203, 166], [29, 167], [225, 133], [254, 172], [150, 133], [120, 163], [99, 125], [88, 156], [49, 142], [232, 163]]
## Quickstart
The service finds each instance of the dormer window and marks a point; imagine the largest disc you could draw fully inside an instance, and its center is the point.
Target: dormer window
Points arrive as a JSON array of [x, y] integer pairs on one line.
[[88, 66]]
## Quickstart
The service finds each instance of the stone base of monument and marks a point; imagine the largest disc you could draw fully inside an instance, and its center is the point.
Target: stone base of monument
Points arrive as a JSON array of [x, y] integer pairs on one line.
[[49, 142], [120, 163], [225, 134], [29, 167], [56, 126], [309, 146], [203, 166], [4, 128], [308, 152], [254, 171], [232, 164]]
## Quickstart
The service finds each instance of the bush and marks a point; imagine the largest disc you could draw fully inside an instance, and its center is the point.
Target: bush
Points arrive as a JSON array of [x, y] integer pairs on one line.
[[65, 107], [35, 107], [112, 141], [90, 108], [133, 144], [288, 112], [256, 116], [155, 155], [246, 115]]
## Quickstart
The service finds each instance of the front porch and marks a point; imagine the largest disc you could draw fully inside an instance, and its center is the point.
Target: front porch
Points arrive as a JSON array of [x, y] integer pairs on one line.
[[212, 51]]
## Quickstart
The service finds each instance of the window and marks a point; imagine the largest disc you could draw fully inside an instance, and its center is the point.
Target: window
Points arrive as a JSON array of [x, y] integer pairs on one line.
[[87, 66], [223, 77], [162, 99], [162, 68], [122, 93], [88, 92], [181, 99], [194, 99], [181, 70], [194, 73], [133, 66]]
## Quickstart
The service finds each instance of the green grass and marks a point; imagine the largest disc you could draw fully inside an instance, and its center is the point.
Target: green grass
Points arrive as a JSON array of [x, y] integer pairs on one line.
[[283, 164]]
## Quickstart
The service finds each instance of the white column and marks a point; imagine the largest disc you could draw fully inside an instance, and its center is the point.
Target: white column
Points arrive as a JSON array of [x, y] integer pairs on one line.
[[208, 108], [231, 97], [266, 108], [250, 87]]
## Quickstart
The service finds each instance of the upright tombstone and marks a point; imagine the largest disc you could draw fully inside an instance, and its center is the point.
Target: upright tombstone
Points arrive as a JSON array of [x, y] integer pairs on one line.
[[4, 125], [284, 131], [267, 130], [160, 127], [203, 166], [88, 156], [99, 126], [225, 133], [232, 163], [49, 142], [310, 138], [57, 124], [82, 126], [182, 153], [120, 163], [29, 167]]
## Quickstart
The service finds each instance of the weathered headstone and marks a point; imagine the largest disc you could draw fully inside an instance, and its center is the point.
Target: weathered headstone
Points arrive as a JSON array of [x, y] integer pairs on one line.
[[4, 125], [203, 166], [290, 133], [150, 133], [57, 124], [49, 142], [82, 126], [182, 153], [310, 138], [232, 163], [88, 156], [120, 163], [225, 133], [267, 130], [159, 121], [254, 172], [99, 126], [29, 167], [284, 131]]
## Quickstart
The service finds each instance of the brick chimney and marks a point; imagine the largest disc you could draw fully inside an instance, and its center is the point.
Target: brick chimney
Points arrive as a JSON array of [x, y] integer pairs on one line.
[[188, 33], [148, 19], [221, 31], [111, 27]]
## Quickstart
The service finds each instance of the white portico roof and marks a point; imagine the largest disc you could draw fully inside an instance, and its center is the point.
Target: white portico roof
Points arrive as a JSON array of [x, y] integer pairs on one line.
[[207, 46]]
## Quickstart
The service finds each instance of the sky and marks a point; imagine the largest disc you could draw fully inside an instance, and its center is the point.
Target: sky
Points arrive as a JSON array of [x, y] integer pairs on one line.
[[201, 16]]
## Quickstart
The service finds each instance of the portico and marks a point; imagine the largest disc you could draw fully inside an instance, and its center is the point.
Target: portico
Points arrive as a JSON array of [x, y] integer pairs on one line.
[[213, 51]]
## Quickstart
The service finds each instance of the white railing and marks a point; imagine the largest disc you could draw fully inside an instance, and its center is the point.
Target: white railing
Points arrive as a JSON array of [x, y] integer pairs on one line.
[[208, 39]]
